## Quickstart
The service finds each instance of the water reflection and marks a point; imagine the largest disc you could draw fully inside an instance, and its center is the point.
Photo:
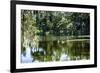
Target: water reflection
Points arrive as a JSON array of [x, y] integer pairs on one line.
[[57, 51]]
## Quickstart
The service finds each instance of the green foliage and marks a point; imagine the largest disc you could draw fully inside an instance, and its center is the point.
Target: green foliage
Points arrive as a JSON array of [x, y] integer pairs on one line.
[[38, 27]]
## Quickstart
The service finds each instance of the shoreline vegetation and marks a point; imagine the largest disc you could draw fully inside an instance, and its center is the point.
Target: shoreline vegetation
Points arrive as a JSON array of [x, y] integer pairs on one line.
[[67, 38]]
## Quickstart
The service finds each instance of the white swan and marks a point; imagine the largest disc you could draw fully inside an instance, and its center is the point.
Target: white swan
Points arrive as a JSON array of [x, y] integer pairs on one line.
[[64, 57]]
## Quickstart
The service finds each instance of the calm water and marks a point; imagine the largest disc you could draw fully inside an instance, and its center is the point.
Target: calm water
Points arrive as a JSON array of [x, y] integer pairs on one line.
[[57, 51]]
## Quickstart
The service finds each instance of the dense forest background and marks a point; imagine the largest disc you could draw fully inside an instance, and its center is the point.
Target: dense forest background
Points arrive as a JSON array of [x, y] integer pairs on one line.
[[55, 23]]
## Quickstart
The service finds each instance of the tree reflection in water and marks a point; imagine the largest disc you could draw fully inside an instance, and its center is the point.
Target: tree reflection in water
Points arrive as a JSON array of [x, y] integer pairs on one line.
[[58, 51]]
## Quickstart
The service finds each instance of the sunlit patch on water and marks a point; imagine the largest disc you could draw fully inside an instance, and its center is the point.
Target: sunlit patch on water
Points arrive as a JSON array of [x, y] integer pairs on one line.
[[26, 56]]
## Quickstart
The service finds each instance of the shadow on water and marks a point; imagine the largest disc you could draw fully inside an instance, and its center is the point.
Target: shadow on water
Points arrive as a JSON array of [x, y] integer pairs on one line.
[[58, 50]]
